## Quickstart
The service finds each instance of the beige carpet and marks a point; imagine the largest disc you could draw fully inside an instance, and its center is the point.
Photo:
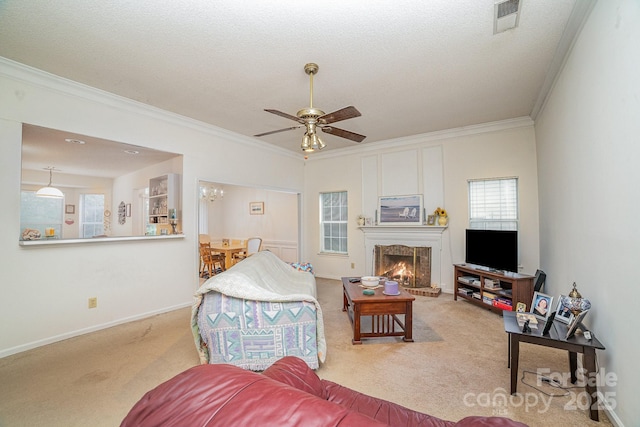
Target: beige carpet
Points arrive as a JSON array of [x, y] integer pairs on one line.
[[456, 367]]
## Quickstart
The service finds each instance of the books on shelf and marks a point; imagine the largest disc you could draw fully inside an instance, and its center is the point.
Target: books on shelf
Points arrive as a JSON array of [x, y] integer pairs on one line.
[[476, 295], [502, 304], [465, 291], [492, 284]]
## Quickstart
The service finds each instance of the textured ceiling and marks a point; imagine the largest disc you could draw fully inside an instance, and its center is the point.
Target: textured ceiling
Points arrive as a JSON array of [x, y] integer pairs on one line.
[[409, 66]]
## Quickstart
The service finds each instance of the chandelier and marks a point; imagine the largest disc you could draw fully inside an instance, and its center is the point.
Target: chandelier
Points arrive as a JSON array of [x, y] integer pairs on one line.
[[210, 193]]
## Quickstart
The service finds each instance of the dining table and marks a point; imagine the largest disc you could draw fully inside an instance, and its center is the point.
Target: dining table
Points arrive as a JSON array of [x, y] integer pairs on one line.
[[228, 251]]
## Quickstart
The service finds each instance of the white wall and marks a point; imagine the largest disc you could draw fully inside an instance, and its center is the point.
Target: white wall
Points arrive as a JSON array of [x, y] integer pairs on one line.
[[44, 290], [503, 149], [588, 152], [229, 218]]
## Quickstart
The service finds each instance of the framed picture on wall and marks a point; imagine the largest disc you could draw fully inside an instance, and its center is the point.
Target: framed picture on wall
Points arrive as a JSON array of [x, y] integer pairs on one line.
[[400, 210], [256, 208], [69, 209]]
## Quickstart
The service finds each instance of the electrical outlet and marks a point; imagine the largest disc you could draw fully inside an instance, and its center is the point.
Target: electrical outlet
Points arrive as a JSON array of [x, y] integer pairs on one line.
[[353, 265], [93, 302]]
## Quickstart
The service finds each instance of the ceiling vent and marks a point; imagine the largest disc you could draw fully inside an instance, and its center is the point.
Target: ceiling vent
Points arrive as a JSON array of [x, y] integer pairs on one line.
[[506, 15]]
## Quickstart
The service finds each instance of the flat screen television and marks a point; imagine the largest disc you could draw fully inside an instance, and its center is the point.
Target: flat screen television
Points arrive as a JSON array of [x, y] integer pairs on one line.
[[495, 249]]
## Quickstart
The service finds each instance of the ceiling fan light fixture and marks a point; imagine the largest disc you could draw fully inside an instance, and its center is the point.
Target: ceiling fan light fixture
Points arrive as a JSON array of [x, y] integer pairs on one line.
[[316, 142], [312, 118], [306, 143]]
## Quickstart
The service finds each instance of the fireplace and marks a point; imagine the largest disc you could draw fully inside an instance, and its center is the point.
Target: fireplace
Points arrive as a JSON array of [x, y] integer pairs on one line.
[[410, 266], [421, 237]]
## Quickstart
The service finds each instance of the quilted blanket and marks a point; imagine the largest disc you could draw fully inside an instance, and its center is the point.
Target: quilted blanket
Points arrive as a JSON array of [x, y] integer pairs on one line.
[[262, 277]]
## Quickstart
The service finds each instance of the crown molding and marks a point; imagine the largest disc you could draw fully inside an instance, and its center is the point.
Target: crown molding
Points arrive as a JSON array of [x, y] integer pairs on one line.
[[28, 75], [429, 137]]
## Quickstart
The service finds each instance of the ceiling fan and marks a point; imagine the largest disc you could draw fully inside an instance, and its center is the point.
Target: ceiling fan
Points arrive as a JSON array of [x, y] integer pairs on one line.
[[313, 118]]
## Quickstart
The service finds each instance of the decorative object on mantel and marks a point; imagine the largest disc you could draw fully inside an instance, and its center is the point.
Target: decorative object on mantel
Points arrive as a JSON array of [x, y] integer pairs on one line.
[[361, 220], [441, 213]]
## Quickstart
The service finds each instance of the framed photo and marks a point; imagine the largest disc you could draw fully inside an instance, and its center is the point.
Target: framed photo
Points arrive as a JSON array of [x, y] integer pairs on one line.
[[541, 305], [368, 222], [70, 209], [521, 307], [256, 208], [400, 210], [562, 313], [573, 326], [431, 220]]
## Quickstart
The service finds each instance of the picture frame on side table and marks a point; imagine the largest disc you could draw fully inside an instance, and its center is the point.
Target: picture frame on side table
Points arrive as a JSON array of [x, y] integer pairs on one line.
[[562, 313], [541, 305], [400, 210], [575, 322]]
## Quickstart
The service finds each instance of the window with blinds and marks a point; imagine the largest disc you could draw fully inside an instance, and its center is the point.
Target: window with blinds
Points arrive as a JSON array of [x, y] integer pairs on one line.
[[493, 204], [333, 222]]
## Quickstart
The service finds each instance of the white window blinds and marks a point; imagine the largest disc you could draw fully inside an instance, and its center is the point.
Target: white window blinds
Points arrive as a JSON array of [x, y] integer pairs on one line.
[[493, 204], [333, 222]]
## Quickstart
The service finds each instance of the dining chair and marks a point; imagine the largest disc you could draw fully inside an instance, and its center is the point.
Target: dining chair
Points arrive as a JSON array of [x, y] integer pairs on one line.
[[210, 262], [253, 245]]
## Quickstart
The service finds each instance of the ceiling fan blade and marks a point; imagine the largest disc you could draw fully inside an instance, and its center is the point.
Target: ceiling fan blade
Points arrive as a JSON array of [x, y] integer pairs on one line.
[[338, 115], [276, 131], [343, 133], [285, 115]]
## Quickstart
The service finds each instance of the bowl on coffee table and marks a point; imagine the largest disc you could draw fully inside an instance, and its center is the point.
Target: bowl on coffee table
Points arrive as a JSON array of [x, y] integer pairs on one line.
[[370, 281]]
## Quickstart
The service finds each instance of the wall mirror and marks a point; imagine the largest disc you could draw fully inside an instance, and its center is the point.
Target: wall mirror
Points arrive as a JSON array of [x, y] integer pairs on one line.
[[105, 187]]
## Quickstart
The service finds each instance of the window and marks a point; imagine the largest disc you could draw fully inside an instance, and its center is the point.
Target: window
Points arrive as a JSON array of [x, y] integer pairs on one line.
[[333, 222], [41, 213], [91, 215], [493, 204]]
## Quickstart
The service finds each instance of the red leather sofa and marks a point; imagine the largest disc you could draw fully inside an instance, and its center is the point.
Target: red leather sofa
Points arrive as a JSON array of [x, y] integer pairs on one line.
[[288, 393]]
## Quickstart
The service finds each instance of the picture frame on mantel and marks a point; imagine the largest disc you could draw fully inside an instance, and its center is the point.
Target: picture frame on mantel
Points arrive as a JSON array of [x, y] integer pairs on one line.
[[401, 210]]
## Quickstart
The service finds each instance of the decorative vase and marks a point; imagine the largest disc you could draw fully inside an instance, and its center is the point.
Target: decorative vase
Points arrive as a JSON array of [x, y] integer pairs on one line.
[[360, 222], [442, 220]]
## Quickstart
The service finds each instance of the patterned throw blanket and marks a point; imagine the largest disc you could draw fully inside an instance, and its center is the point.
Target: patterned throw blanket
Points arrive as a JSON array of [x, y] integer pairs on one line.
[[261, 277]]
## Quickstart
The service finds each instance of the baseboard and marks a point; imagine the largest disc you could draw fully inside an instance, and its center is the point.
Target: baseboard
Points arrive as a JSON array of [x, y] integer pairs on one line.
[[67, 335]]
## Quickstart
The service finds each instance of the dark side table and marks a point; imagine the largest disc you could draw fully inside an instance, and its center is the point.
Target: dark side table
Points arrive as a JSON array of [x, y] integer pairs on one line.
[[556, 339]]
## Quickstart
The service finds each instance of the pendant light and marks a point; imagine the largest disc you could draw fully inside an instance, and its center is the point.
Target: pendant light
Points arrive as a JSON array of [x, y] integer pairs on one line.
[[50, 191]]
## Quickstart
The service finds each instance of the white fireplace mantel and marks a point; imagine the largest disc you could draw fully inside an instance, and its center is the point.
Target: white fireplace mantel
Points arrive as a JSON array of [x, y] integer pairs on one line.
[[423, 236]]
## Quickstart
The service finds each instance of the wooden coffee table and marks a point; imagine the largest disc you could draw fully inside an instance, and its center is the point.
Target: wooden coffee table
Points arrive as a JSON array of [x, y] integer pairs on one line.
[[383, 309]]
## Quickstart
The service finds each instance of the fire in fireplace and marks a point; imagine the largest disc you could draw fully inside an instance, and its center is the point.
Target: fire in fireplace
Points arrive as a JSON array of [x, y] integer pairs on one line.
[[410, 266]]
